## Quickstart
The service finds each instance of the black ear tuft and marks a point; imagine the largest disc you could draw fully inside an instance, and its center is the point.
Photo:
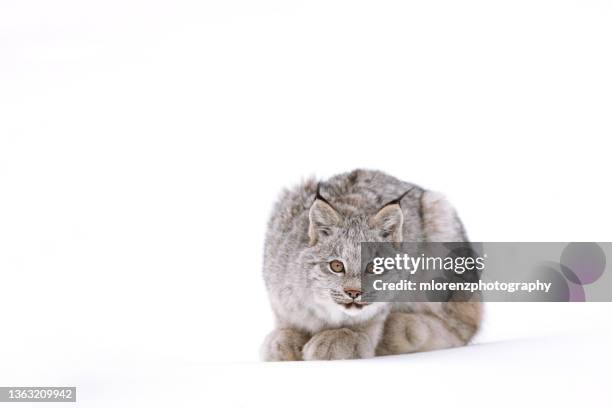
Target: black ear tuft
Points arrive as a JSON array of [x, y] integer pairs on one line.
[[399, 199], [318, 196]]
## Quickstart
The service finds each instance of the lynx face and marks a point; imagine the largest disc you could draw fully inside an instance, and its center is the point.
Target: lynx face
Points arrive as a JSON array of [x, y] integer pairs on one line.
[[334, 254]]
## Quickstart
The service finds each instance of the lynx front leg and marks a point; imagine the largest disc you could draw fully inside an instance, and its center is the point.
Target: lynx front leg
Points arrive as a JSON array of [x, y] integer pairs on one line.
[[283, 345], [339, 344], [453, 325]]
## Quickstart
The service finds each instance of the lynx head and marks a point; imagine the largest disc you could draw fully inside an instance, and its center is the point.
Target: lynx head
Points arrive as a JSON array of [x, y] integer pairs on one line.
[[334, 252]]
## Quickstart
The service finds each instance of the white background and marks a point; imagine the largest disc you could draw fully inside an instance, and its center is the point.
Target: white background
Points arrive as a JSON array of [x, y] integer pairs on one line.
[[142, 144]]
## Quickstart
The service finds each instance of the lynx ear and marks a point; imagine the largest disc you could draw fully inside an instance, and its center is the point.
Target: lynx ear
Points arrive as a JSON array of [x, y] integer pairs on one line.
[[440, 221], [322, 217], [389, 220]]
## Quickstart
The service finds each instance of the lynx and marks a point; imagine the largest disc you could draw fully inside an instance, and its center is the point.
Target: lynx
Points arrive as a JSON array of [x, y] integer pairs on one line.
[[312, 270]]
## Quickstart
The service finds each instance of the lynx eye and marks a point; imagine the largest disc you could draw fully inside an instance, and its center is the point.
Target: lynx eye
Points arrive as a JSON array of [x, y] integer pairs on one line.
[[370, 267], [336, 266]]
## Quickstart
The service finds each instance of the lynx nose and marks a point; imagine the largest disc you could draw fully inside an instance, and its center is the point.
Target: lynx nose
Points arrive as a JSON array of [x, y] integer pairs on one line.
[[353, 293]]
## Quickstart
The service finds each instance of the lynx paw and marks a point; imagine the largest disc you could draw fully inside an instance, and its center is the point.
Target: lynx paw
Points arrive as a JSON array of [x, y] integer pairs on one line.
[[283, 345], [404, 333], [338, 344]]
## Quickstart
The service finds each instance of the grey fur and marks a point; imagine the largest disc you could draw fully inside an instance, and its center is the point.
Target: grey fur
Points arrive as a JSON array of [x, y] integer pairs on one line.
[[309, 300]]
